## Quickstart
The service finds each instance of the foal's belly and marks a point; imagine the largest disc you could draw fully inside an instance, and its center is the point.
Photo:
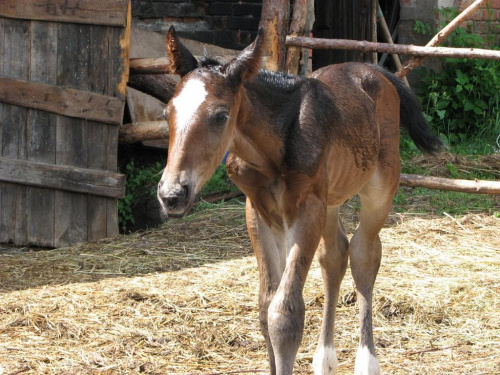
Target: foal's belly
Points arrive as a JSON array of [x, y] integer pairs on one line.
[[346, 177]]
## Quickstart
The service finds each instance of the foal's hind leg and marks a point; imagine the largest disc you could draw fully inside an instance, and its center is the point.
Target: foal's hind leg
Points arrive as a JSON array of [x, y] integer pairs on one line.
[[332, 255], [365, 251]]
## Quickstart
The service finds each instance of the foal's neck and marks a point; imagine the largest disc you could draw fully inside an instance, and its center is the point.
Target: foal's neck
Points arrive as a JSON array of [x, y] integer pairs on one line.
[[267, 109]]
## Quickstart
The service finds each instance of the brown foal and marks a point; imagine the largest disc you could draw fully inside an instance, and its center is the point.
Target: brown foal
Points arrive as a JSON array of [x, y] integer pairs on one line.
[[299, 148]]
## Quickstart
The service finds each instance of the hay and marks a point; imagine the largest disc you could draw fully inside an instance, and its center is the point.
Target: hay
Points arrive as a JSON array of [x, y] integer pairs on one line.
[[183, 300], [438, 165]]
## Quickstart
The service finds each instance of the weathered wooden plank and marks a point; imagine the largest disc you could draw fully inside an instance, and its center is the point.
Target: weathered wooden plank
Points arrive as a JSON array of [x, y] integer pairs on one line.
[[58, 56], [62, 177], [2, 32], [119, 73], [123, 72], [73, 59], [2, 44], [97, 133], [13, 123], [112, 226], [64, 101], [40, 202], [95, 12], [8, 213]]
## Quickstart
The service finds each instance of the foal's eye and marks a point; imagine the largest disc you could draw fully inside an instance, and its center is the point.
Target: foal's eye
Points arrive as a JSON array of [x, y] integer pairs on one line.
[[220, 118]]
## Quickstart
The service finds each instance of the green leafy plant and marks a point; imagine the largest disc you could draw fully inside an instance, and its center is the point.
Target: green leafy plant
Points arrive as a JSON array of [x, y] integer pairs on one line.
[[142, 182], [219, 182], [462, 100], [140, 187]]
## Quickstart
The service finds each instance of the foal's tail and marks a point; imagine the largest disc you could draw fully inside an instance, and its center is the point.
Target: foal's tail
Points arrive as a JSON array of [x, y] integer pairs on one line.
[[411, 116]]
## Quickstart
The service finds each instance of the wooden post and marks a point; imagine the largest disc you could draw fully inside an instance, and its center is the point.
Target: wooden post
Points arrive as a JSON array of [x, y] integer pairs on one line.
[[274, 19], [302, 20], [388, 38], [440, 37]]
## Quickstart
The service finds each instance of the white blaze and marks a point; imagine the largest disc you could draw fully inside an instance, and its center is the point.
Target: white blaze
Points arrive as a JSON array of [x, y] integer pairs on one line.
[[188, 101]]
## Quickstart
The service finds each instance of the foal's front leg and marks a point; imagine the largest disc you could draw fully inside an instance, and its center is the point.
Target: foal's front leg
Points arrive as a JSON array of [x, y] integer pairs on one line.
[[268, 246], [286, 310]]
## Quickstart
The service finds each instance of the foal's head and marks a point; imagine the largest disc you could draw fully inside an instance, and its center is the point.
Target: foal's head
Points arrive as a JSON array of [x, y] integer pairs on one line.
[[202, 116]]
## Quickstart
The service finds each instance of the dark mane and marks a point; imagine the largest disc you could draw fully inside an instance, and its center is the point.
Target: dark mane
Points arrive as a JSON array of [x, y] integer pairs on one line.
[[209, 61], [277, 80]]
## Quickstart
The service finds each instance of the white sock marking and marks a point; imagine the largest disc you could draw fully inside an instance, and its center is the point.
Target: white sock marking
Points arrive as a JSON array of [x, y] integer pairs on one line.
[[366, 362], [325, 361]]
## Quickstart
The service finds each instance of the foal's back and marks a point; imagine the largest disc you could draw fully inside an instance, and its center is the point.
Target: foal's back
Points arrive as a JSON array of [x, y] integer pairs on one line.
[[367, 131]]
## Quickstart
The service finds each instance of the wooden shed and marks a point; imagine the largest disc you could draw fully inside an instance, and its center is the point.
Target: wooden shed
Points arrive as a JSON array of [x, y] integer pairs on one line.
[[63, 76]]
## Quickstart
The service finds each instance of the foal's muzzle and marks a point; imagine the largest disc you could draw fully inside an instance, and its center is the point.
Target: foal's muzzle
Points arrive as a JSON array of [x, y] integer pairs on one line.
[[175, 200]]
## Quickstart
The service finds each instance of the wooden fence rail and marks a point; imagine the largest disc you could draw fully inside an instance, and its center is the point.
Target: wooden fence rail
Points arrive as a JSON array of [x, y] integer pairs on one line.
[[400, 49]]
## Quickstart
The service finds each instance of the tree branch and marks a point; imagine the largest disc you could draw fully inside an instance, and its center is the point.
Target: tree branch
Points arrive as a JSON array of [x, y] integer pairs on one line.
[[441, 37]]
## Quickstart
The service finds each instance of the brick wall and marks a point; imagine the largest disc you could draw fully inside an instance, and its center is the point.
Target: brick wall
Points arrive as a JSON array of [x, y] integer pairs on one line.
[[486, 20], [226, 23]]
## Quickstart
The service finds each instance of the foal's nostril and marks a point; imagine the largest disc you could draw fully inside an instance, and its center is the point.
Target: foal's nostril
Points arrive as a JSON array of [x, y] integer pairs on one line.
[[185, 192], [178, 197]]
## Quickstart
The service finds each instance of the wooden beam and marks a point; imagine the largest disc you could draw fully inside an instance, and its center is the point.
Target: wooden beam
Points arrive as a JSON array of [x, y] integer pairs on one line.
[[62, 177], [401, 49], [161, 65], [143, 131], [464, 186], [95, 12], [64, 101], [159, 86], [157, 65]]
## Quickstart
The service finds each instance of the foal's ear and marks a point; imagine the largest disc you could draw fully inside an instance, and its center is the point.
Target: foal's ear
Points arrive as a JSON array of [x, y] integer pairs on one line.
[[247, 64], [181, 60]]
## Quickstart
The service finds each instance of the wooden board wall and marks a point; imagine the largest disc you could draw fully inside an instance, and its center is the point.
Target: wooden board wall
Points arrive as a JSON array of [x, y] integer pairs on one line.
[[75, 57], [343, 19]]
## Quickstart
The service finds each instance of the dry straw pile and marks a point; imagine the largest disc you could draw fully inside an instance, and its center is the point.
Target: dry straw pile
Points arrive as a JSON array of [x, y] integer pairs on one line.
[[183, 300]]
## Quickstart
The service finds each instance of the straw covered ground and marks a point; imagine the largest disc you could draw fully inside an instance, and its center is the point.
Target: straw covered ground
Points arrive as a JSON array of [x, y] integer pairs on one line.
[[182, 299]]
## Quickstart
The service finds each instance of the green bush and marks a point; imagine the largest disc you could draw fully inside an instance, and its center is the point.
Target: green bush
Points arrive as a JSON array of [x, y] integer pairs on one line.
[[219, 182], [142, 182], [140, 188], [462, 100]]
